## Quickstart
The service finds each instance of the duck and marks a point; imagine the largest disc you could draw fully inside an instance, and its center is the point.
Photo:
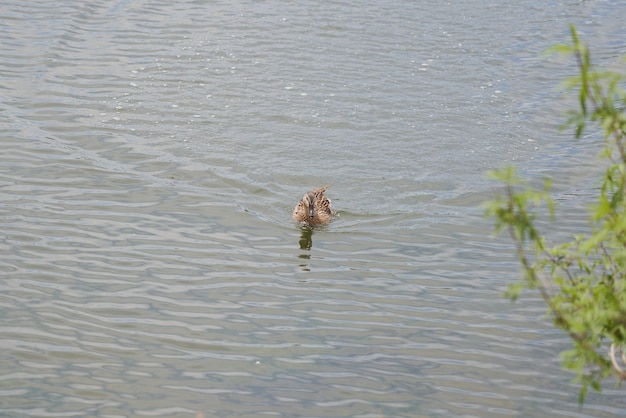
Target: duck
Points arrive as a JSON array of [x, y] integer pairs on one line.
[[313, 209]]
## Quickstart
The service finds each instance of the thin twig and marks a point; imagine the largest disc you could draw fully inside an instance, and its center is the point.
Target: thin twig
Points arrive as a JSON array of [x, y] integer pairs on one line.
[[616, 366]]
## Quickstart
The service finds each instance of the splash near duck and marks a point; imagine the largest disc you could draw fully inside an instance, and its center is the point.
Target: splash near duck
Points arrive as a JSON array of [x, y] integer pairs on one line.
[[313, 209]]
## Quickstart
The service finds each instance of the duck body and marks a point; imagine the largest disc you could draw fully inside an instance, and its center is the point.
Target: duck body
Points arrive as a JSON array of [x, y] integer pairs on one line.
[[313, 209]]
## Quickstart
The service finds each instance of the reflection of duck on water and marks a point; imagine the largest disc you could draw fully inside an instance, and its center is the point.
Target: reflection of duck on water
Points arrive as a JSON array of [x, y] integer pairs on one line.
[[306, 241], [313, 209]]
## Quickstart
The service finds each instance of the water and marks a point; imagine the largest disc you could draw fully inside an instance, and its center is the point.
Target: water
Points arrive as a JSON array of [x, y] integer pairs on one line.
[[153, 152]]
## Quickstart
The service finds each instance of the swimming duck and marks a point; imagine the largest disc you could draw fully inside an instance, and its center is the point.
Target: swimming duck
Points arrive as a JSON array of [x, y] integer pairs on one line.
[[313, 209]]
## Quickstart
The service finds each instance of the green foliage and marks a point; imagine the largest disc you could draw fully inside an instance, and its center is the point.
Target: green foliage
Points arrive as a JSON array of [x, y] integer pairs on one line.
[[583, 282]]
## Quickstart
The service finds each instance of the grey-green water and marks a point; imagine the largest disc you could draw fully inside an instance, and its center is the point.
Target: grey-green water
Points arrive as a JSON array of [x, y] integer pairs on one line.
[[152, 152]]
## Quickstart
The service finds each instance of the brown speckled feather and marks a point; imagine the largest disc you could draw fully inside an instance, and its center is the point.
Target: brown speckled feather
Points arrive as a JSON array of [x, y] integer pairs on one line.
[[314, 208]]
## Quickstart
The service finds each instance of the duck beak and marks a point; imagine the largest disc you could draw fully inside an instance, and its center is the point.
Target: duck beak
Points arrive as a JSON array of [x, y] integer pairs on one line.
[[311, 205]]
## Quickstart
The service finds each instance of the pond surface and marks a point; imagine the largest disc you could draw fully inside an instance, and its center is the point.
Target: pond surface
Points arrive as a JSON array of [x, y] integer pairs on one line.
[[152, 153]]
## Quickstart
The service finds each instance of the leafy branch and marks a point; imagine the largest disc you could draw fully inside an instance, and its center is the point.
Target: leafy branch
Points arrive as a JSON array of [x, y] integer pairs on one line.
[[582, 282]]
